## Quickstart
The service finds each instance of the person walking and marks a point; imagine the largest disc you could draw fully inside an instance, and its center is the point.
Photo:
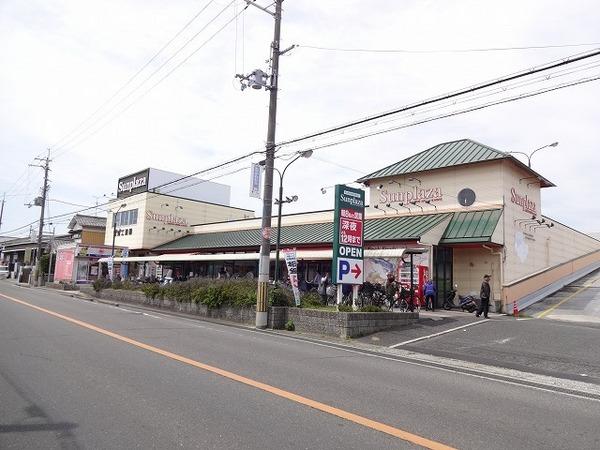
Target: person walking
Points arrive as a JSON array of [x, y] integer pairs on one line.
[[391, 289], [322, 288], [429, 292], [485, 297]]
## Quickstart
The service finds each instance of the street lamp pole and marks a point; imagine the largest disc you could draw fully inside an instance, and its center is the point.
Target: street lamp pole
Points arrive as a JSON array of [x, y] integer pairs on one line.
[[280, 202], [554, 144]]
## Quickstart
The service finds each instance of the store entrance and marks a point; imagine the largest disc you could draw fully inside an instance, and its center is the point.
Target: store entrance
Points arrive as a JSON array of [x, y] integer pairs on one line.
[[442, 272]]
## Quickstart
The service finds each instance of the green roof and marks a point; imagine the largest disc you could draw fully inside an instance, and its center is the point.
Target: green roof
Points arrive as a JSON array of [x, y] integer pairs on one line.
[[402, 228], [472, 226], [448, 154]]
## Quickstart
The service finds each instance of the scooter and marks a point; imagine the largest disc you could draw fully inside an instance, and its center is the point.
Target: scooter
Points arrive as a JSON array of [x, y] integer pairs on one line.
[[464, 303]]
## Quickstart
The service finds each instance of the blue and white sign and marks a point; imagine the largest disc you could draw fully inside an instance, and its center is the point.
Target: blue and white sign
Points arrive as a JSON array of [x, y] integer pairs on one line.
[[255, 180], [349, 271]]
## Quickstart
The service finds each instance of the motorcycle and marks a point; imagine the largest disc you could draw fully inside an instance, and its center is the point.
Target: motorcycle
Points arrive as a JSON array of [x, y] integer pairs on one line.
[[464, 303]]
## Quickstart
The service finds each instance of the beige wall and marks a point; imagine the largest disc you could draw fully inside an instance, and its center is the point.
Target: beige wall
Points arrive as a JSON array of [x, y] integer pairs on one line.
[[470, 265], [520, 289], [316, 217], [149, 232], [479, 177], [529, 250]]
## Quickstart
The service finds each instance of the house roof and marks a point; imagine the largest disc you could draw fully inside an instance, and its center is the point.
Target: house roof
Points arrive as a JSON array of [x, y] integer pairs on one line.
[[448, 154], [87, 221], [401, 228]]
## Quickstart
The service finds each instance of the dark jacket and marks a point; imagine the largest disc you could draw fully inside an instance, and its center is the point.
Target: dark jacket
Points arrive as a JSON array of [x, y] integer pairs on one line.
[[485, 290]]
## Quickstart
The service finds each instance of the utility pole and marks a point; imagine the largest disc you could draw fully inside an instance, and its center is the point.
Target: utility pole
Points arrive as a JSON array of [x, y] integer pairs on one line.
[[265, 246], [38, 256], [2, 209]]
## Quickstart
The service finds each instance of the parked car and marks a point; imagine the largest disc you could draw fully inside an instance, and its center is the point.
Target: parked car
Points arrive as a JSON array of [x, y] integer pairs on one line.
[[3, 272]]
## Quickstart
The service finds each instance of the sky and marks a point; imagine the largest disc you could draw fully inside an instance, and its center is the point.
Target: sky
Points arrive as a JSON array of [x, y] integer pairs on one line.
[[62, 60]]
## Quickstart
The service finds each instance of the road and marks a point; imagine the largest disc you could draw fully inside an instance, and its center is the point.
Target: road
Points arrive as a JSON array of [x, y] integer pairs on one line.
[[76, 374]]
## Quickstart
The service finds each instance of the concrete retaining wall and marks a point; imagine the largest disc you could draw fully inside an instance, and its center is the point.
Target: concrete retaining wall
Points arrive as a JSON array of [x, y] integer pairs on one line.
[[342, 324], [330, 323]]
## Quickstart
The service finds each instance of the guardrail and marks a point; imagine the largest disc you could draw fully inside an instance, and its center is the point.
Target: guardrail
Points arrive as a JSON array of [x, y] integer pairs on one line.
[[533, 288]]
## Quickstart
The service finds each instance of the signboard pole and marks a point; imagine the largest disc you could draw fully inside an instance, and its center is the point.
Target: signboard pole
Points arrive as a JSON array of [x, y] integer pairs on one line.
[[348, 237]]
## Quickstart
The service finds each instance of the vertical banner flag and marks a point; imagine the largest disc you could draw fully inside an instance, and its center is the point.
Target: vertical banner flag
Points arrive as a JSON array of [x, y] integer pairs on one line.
[[348, 235], [292, 267], [255, 180]]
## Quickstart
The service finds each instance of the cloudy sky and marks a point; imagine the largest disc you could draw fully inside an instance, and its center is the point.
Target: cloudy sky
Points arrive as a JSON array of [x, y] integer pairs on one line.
[[62, 60]]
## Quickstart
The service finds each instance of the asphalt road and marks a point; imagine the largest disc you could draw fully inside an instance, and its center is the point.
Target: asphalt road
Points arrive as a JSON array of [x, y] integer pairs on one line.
[[119, 378]]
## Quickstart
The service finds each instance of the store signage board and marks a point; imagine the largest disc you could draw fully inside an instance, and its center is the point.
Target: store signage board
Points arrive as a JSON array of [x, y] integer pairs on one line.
[[348, 235], [292, 266], [133, 184]]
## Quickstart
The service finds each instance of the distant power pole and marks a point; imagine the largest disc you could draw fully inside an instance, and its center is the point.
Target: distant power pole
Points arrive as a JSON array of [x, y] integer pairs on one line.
[[2, 209], [38, 256]]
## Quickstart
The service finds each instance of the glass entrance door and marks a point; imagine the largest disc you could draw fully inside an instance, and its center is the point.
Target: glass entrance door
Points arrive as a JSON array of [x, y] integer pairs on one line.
[[442, 272]]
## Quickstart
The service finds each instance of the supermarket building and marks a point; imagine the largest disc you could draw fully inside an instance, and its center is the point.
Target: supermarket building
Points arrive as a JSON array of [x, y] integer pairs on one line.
[[453, 212]]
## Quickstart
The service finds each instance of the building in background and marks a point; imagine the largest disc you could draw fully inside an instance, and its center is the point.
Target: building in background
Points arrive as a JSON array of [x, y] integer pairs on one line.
[[152, 208], [77, 260]]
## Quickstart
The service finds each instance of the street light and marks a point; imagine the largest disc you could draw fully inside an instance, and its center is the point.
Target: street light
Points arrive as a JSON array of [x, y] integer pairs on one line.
[[280, 201], [554, 144], [115, 233]]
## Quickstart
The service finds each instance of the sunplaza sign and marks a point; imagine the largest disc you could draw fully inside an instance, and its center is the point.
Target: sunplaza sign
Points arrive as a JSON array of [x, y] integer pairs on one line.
[[348, 235], [416, 194], [523, 201], [167, 219], [133, 184]]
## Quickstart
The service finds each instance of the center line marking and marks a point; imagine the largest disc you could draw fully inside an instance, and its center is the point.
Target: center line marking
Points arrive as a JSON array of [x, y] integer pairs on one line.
[[360, 420]]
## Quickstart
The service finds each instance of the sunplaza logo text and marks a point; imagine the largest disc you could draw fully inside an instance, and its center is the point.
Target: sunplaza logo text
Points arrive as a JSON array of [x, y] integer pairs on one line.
[[128, 186], [352, 198], [169, 219]]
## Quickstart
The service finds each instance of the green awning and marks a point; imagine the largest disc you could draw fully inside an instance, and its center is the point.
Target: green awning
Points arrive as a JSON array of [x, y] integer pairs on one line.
[[472, 226], [463, 227]]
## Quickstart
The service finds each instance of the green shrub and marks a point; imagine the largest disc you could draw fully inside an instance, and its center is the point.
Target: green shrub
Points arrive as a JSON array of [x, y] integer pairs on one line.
[[289, 325], [311, 300], [117, 284], [371, 308], [279, 296], [101, 283], [151, 290], [345, 308]]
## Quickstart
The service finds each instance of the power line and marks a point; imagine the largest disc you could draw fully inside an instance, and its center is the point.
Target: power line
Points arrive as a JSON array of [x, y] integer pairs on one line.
[[134, 90], [210, 169], [471, 97], [461, 50], [521, 74], [122, 111], [456, 113], [140, 70]]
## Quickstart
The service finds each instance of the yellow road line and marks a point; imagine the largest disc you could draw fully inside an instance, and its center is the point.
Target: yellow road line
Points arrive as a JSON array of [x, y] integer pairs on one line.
[[360, 420], [553, 307]]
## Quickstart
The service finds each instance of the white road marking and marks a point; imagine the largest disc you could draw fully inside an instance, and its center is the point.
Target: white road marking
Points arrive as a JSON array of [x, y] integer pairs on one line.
[[429, 336], [503, 341]]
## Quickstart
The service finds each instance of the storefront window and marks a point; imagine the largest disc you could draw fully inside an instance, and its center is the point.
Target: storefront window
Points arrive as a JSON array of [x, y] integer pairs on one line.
[[126, 217]]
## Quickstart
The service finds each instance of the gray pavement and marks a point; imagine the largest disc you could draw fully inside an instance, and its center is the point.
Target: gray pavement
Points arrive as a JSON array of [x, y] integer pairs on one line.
[[65, 386]]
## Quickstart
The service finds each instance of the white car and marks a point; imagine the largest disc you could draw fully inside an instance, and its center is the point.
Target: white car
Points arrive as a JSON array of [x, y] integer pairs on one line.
[[3, 272]]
